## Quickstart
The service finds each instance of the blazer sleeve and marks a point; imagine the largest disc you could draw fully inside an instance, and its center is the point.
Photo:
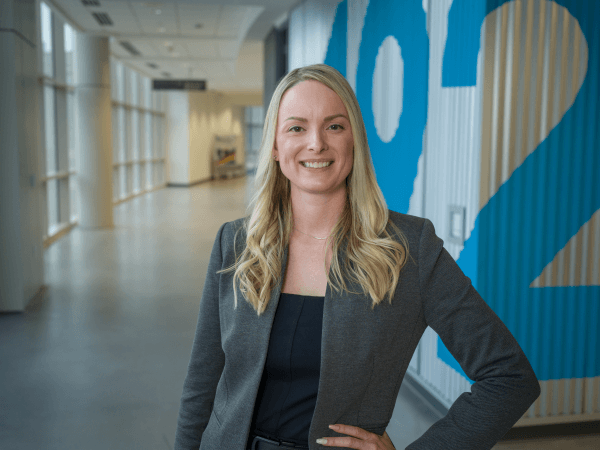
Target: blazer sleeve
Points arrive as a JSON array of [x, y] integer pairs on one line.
[[206, 361], [505, 383]]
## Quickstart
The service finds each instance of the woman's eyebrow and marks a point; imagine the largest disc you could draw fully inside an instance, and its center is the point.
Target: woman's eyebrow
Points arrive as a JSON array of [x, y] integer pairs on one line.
[[327, 119]]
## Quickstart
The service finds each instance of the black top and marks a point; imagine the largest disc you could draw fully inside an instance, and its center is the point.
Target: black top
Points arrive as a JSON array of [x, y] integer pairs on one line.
[[287, 394]]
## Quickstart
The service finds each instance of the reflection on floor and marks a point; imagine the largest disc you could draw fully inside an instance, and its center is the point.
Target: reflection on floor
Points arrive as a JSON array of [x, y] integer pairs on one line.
[[99, 361]]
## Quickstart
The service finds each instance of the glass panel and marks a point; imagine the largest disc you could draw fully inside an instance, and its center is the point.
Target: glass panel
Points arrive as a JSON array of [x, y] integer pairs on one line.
[[136, 178], [149, 181], [135, 135], [52, 202], [74, 196], [50, 129], [115, 178], [135, 149], [129, 168], [161, 137], [258, 115], [156, 132], [134, 88], [127, 135], [122, 135], [69, 55], [256, 138], [46, 22], [148, 132], [63, 195], [72, 125], [118, 85], [123, 181], [115, 133], [147, 93], [62, 129]]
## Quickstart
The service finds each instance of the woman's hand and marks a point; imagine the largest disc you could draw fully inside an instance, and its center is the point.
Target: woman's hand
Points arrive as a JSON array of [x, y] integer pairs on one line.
[[362, 439]]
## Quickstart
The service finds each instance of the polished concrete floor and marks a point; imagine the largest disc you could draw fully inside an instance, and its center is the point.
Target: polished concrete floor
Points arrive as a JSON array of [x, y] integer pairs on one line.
[[99, 361]]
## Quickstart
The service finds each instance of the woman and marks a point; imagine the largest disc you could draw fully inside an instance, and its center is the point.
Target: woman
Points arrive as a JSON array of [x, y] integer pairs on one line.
[[303, 351]]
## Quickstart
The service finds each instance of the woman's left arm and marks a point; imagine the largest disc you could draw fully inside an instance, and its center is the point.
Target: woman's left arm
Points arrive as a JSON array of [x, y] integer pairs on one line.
[[505, 383]]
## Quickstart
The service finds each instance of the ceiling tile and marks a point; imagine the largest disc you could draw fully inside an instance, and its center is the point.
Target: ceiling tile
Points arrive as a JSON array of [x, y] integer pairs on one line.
[[144, 47], [231, 20], [151, 22], [205, 48], [206, 15]]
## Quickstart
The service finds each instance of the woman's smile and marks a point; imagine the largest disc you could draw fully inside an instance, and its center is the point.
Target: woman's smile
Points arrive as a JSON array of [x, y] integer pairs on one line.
[[317, 168]]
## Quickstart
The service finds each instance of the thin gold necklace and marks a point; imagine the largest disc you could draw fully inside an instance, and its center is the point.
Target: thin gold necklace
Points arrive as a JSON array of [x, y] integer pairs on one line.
[[310, 235]]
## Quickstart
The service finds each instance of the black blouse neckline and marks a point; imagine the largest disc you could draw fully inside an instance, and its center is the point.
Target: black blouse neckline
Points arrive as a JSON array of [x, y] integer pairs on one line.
[[303, 296]]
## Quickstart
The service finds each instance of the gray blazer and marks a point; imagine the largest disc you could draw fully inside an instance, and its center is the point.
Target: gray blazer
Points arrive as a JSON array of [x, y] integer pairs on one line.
[[364, 353]]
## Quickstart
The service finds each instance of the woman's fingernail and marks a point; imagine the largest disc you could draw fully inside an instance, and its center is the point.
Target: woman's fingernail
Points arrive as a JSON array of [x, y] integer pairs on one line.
[[321, 441]]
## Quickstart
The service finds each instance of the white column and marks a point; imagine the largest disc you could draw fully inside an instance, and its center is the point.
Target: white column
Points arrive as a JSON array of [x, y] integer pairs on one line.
[[11, 262], [95, 131]]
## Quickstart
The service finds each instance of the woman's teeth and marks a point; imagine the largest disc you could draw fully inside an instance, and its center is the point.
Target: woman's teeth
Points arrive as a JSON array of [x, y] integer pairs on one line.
[[316, 165]]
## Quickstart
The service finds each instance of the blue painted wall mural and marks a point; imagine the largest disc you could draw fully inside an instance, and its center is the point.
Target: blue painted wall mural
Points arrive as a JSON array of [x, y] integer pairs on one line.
[[544, 214], [338, 43], [546, 184], [396, 161]]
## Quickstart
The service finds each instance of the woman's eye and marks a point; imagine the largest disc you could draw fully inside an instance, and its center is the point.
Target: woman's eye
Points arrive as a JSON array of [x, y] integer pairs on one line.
[[295, 129], [338, 126]]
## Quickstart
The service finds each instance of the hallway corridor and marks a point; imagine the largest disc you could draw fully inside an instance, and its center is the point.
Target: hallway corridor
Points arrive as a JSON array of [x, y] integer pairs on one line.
[[98, 362]]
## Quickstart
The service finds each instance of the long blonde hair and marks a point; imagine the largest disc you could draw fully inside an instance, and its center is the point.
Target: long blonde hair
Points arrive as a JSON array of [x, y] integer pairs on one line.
[[373, 258]]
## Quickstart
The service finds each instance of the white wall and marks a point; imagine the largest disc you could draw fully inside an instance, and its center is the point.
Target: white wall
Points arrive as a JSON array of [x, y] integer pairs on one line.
[[195, 118]]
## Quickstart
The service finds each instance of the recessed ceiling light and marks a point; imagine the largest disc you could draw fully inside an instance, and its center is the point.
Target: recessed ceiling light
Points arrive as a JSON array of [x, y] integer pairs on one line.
[[157, 12]]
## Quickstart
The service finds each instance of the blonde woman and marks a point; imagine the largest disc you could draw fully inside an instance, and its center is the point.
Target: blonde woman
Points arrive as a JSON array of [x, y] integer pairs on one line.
[[313, 306]]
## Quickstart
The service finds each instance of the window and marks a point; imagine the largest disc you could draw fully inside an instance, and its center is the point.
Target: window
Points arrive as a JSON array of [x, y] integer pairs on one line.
[[137, 127], [59, 121], [138, 141], [254, 128]]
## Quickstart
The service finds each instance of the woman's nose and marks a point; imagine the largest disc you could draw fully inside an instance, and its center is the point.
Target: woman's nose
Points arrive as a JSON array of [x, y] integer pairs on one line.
[[318, 140]]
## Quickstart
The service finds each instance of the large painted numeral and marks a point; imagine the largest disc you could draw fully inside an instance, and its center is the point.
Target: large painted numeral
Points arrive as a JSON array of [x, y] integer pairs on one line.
[[396, 160], [536, 204], [337, 47]]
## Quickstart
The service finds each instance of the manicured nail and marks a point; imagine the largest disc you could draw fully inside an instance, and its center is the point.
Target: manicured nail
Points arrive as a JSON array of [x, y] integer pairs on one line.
[[333, 427], [321, 441]]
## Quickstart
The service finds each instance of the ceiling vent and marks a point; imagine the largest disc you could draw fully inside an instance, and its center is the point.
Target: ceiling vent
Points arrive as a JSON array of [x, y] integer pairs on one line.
[[130, 48], [102, 18], [90, 2], [152, 65]]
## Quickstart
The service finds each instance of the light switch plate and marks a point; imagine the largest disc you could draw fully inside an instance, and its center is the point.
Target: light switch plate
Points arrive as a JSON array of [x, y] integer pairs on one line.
[[456, 226]]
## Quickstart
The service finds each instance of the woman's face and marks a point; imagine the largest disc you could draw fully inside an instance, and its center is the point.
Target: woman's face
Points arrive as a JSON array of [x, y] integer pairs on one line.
[[313, 124]]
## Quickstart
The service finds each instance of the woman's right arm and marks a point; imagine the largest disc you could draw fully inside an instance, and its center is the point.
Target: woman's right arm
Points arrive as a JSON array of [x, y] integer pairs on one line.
[[206, 361]]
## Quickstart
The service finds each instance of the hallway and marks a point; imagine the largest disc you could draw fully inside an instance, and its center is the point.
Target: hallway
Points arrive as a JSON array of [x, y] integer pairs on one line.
[[99, 361]]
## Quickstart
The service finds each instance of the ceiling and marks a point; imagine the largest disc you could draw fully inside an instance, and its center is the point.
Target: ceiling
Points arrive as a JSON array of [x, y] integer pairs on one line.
[[184, 39]]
